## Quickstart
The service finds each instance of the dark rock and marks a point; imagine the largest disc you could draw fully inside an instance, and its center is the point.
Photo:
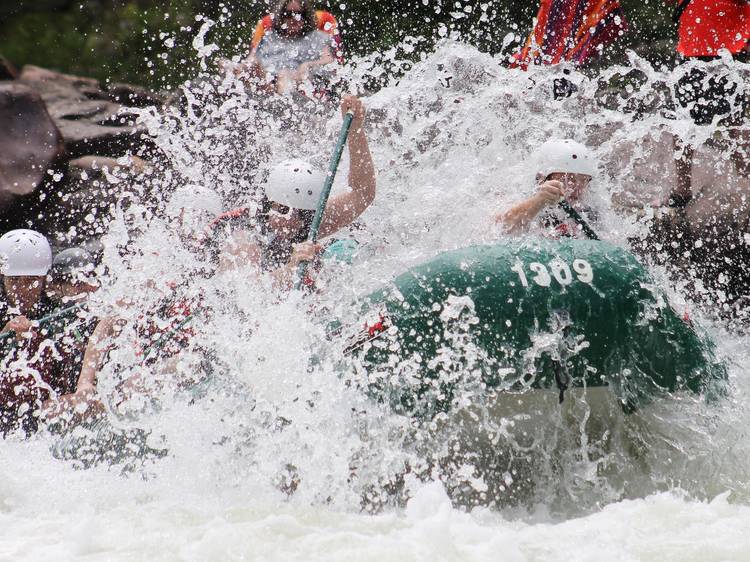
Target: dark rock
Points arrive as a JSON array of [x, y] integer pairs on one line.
[[89, 121], [81, 211], [47, 117], [7, 70], [93, 167], [81, 214], [83, 137], [55, 86], [133, 96], [30, 143], [79, 109]]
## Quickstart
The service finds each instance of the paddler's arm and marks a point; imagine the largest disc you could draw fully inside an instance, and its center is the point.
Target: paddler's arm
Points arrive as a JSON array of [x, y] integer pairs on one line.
[[519, 217], [239, 250], [304, 69], [95, 354], [21, 326], [343, 209], [83, 402], [287, 276]]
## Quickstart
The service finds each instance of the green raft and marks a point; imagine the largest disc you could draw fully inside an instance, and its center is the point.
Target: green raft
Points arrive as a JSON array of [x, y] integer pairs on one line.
[[523, 315]]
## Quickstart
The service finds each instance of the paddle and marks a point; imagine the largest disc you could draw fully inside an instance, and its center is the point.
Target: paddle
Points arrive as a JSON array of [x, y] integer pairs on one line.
[[323, 200], [45, 320], [572, 213], [165, 337]]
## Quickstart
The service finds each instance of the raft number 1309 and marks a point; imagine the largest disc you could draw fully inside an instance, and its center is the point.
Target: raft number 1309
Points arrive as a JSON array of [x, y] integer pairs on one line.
[[560, 272]]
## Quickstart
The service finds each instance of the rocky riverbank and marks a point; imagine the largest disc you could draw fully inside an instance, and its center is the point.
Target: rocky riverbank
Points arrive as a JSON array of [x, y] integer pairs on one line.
[[63, 140]]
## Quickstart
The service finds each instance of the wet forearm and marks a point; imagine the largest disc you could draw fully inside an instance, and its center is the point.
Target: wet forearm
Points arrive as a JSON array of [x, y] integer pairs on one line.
[[343, 209], [519, 218], [94, 356], [362, 168]]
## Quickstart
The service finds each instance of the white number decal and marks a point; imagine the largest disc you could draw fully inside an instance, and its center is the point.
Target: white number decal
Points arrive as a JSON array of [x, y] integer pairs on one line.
[[542, 278], [518, 268], [560, 271], [584, 271]]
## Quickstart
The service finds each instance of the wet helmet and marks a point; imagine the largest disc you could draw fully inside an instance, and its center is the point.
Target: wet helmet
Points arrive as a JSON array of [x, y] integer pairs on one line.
[[296, 184], [24, 252], [71, 263], [565, 156], [194, 197]]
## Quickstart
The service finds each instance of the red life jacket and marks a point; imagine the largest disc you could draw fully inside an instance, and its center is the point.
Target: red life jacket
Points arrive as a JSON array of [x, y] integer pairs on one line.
[[30, 374], [709, 25], [166, 331], [240, 216]]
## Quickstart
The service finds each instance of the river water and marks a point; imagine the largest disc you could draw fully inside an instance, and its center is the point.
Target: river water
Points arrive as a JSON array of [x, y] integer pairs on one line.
[[276, 457]]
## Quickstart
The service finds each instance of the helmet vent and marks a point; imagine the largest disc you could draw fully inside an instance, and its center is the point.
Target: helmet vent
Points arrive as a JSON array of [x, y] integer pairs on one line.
[[575, 156]]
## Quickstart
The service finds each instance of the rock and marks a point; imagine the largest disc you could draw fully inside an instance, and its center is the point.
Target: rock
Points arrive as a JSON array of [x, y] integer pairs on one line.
[[81, 214], [7, 70], [133, 96], [89, 121], [81, 210], [99, 110], [55, 86], [93, 167], [84, 137], [47, 117], [30, 143]]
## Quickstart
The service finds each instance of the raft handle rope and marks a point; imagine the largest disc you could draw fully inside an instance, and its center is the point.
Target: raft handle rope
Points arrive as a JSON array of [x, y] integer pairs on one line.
[[323, 200], [50, 318], [572, 213]]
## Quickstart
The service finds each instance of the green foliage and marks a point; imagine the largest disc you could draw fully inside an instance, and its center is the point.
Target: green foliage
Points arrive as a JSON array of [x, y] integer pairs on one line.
[[121, 42], [149, 42]]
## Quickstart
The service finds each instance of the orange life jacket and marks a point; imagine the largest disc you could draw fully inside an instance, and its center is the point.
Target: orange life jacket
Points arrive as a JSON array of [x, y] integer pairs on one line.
[[709, 25], [326, 22]]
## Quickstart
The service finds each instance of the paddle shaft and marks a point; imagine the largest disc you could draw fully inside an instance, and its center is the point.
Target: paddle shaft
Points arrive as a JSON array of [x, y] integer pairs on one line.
[[171, 334], [45, 320], [572, 213], [325, 194]]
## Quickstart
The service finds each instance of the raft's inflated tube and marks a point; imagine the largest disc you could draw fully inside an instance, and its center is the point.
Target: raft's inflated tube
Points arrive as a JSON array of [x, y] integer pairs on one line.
[[342, 251], [528, 314], [97, 441]]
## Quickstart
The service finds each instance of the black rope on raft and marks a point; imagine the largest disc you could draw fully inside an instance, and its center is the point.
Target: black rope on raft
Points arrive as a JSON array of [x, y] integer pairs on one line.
[[562, 379]]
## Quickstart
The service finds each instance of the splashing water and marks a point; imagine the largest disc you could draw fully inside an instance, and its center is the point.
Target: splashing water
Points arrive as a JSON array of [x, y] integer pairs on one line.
[[273, 452]]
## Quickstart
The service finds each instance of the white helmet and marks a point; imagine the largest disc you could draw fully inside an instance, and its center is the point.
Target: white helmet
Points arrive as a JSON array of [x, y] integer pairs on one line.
[[72, 263], [194, 197], [24, 252], [296, 184], [565, 156]]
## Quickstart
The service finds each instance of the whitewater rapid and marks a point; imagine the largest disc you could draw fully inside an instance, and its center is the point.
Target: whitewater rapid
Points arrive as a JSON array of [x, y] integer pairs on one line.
[[451, 140]]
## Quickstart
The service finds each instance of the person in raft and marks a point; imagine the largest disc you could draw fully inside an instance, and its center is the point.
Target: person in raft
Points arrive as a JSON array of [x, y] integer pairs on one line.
[[29, 369], [158, 335], [273, 238], [706, 29], [290, 46], [564, 170], [71, 282]]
